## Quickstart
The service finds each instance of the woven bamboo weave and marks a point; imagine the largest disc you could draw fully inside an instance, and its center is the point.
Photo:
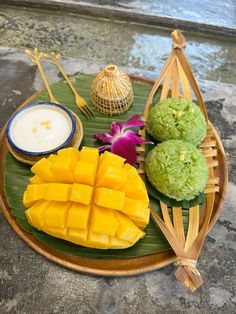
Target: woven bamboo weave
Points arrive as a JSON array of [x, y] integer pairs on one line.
[[111, 91]]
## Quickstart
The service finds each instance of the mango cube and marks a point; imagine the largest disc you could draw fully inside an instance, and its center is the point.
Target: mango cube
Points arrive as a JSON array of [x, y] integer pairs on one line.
[[127, 230], [62, 169], [116, 243], [141, 222], [70, 152], [85, 172], [57, 232], [81, 193], [135, 208], [56, 214], [43, 169], [52, 158], [103, 220], [89, 154], [27, 201], [98, 240], [58, 192], [108, 159], [112, 177], [134, 186], [33, 193], [35, 214], [109, 198], [78, 216], [36, 179], [77, 236]]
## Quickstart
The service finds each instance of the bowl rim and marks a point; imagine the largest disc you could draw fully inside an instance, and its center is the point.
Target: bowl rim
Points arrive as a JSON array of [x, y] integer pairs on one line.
[[39, 103]]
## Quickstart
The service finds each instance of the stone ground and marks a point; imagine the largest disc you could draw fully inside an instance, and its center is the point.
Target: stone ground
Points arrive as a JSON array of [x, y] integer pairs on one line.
[[31, 284], [210, 13], [131, 45]]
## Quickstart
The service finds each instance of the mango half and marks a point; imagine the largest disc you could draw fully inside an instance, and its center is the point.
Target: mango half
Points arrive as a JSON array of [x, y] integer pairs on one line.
[[90, 200]]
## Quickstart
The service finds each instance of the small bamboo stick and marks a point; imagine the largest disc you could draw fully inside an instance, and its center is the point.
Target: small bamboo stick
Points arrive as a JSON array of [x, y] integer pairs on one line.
[[178, 224], [166, 216], [184, 82], [166, 84], [211, 143], [175, 81], [193, 227]]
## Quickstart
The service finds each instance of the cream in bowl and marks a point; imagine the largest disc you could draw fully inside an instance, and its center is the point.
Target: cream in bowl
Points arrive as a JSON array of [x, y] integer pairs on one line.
[[40, 128]]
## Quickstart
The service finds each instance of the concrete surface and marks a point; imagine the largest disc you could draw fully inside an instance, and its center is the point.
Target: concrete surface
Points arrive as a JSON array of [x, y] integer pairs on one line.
[[123, 43], [203, 16], [31, 284]]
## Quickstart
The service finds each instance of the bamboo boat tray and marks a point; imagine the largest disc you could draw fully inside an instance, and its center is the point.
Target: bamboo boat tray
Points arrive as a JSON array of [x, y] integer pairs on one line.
[[108, 267]]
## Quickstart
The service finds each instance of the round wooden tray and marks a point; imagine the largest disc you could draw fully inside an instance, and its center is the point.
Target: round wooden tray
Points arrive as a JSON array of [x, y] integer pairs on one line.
[[116, 267]]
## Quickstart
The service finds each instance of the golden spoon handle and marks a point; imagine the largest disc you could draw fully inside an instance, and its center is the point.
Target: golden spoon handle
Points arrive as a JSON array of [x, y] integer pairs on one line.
[[65, 77], [79, 100], [51, 97]]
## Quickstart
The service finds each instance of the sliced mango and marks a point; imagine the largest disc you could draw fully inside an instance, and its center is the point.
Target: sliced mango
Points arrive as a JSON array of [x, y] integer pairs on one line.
[[109, 159], [116, 243], [85, 172], [109, 198], [112, 177], [135, 208], [134, 186], [52, 158], [27, 201], [43, 169], [33, 193], [78, 216], [89, 154], [98, 240], [81, 193], [58, 192], [35, 214], [62, 168], [127, 230], [36, 179], [70, 152], [97, 202], [58, 210], [103, 220], [77, 236]]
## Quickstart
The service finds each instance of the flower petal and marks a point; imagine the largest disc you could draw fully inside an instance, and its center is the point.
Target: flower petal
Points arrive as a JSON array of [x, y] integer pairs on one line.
[[133, 121], [131, 135], [102, 148], [104, 137], [116, 128], [125, 148]]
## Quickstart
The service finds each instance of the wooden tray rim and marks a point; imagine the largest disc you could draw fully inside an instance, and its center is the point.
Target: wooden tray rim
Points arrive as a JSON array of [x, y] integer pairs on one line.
[[102, 267]]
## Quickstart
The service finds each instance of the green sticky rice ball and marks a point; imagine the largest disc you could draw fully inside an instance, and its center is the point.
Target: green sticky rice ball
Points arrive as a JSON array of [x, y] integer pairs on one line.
[[177, 169], [178, 119]]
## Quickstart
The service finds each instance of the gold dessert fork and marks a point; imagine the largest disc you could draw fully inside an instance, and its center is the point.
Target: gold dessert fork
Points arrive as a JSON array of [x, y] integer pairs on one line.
[[35, 57], [80, 102]]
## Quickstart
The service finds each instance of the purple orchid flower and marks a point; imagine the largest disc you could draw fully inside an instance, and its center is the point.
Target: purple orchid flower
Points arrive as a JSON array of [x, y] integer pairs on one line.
[[122, 141]]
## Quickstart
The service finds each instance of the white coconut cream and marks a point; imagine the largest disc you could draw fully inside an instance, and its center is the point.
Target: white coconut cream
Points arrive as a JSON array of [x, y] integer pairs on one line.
[[40, 128]]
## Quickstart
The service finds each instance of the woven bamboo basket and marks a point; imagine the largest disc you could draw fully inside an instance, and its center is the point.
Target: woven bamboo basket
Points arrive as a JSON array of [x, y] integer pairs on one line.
[[111, 91], [177, 79]]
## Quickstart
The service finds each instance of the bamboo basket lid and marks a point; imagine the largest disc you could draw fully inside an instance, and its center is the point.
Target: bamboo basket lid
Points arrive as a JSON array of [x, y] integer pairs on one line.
[[177, 79], [111, 91]]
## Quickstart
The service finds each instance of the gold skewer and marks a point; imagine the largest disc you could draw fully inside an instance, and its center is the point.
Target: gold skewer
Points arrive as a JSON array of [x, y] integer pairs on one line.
[[80, 102], [36, 56]]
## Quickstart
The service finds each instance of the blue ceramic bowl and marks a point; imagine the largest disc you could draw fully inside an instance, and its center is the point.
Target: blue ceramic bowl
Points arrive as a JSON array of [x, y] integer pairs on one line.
[[13, 125]]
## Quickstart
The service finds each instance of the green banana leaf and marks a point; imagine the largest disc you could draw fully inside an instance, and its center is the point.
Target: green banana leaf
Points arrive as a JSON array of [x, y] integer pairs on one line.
[[16, 175]]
